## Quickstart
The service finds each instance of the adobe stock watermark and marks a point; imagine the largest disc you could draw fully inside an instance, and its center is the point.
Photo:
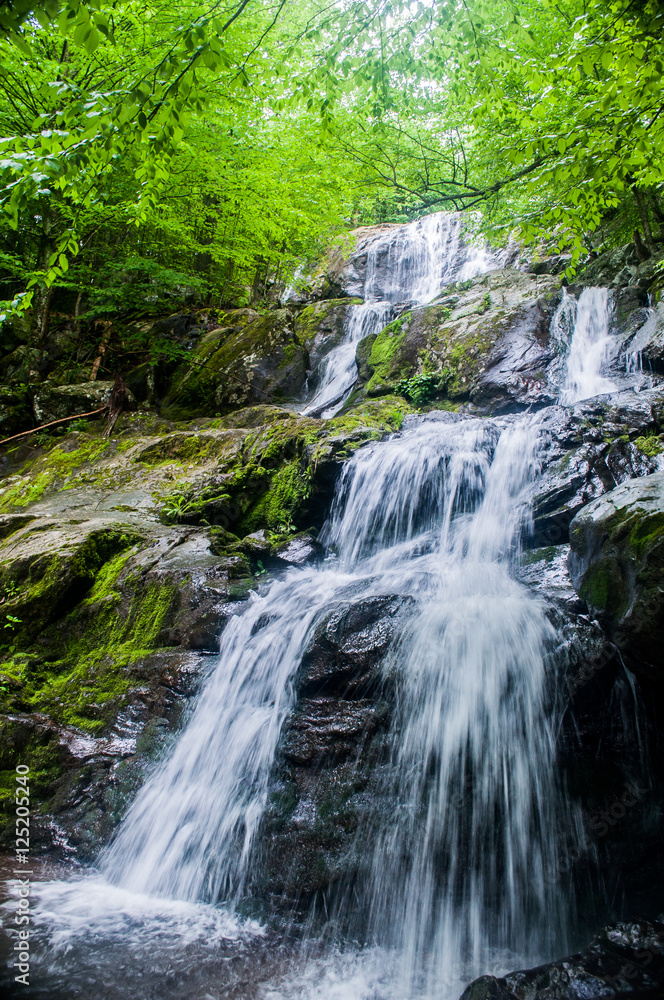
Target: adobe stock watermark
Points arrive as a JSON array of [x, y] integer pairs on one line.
[[21, 962], [600, 823]]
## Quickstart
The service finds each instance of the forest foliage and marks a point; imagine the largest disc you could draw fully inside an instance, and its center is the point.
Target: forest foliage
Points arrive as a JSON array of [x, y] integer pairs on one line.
[[153, 153]]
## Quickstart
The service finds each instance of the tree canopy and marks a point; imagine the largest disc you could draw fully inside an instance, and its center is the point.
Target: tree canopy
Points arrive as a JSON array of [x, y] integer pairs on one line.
[[153, 146]]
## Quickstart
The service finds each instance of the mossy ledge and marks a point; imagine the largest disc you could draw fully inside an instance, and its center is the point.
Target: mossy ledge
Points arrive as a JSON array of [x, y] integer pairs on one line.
[[117, 558]]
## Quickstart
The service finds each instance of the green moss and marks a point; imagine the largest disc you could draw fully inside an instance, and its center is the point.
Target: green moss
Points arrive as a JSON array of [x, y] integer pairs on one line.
[[596, 586], [384, 415], [385, 354], [650, 445], [97, 647], [52, 470], [289, 487], [647, 532], [546, 554]]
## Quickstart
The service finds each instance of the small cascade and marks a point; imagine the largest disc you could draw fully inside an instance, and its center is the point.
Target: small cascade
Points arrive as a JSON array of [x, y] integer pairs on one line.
[[582, 329], [339, 371], [409, 264], [633, 357]]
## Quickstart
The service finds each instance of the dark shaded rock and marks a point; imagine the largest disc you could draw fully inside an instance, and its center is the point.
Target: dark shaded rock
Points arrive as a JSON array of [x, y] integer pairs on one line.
[[555, 264], [617, 566], [16, 413], [348, 644], [362, 356], [260, 361], [625, 959], [605, 268], [589, 449], [329, 727]]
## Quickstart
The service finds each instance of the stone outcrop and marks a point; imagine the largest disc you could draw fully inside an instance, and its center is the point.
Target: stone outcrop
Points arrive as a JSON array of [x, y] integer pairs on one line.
[[485, 340], [120, 560], [625, 959], [617, 565]]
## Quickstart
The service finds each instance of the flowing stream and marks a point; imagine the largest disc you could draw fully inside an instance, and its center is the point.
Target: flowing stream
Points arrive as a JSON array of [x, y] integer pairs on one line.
[[461, 872], [408, 265]]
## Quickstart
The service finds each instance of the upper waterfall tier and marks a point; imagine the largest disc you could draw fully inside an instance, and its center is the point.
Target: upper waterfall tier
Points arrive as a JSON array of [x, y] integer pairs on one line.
[[411, 262], [398, 265]]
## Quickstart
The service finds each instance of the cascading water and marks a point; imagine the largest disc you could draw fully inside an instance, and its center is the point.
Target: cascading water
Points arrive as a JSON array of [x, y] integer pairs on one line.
[[410, 265], [464, 870], [460, 875], [467, 867], [582, 328]]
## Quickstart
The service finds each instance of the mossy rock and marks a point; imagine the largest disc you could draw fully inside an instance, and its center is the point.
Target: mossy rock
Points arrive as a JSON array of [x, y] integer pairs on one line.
[[263, 361], [617, 566], [465, 339]]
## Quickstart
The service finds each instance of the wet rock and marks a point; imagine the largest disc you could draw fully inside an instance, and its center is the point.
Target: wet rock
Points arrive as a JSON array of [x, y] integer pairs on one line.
[[348, 645], [617, 566], [644, 338], [589, 449], [296, 551], [625, 959], [329, 727], [362, 356], [485, 340], [346, 267], [320, 327]]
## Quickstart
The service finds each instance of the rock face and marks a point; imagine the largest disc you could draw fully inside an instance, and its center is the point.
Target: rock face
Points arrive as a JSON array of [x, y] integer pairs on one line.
[[626, 959], [620, 268], [329, 752], [120, 561], [590, 448], [257, 360], [485, 340], [617, 565]]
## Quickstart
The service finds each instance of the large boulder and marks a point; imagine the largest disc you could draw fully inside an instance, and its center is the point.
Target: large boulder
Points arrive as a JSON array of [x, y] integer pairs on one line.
[[617, 566], [485, 340], [589, 449], [53, 402], [326, 775], [625, 959], [257, 359]]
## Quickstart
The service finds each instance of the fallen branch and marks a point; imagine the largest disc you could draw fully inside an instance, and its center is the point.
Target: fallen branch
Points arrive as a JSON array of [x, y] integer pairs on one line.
[[62, 420]]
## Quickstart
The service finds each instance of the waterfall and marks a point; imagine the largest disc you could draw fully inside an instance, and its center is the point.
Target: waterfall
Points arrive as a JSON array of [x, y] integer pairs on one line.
[[339, 371], [582, 329], [407, 265], [465, 867], [434, 512], [461, 854]]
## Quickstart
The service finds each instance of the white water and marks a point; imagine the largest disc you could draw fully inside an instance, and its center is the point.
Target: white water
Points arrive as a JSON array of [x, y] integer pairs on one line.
[[633, 357], [407, 265], [466, 871], [582, 328], [462, 875]]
